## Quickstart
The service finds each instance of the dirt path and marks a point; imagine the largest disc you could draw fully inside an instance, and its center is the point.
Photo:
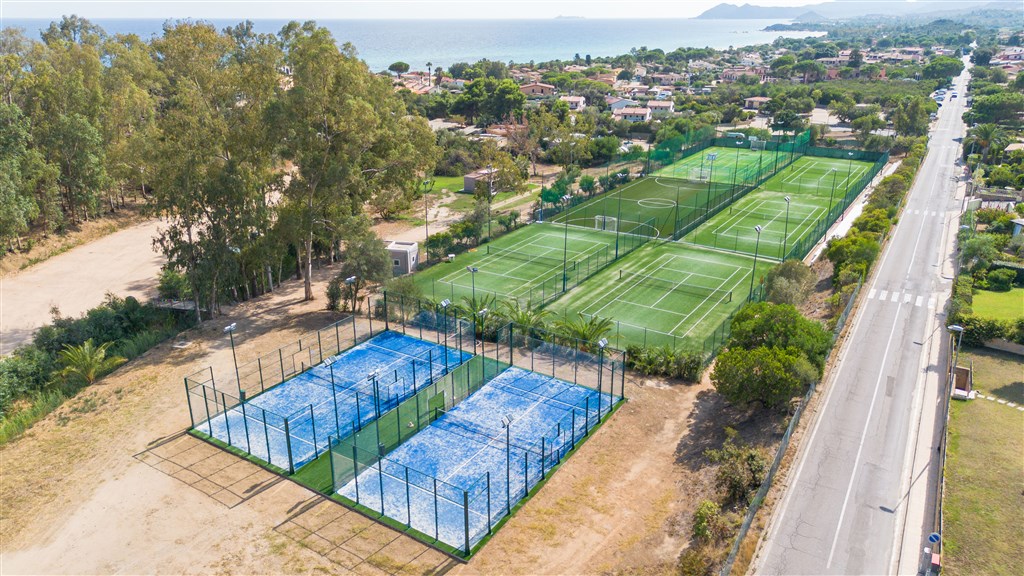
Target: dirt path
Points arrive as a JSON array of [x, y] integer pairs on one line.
[[124, 263], [109, 484]]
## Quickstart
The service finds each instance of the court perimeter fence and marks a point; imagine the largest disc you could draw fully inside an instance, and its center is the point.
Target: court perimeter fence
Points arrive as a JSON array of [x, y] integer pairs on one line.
[[712, 196], [550, 287], [266, 435], [804, 246], [469, 508], [794, 421]]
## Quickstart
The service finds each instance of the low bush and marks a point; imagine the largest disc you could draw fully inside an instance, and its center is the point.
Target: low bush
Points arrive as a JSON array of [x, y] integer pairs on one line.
[[664, 361]]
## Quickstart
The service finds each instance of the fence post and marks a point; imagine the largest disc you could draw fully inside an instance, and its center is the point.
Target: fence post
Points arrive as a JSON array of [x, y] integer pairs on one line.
[[408, 501], [355, 469], [266, 436], [386, 311], [188, 398], [280, 358], [488, 501], [573, 427], [436, 528], [227, 421], [543, 467], [586, 418], [380, 482], [334, 394], [330, 458], [288, 445], [259, 366], [320, 345], [465, 514], [245, 423], [312, 420]]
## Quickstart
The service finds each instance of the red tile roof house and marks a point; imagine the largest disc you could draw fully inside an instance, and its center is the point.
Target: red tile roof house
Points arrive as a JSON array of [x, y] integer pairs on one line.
[[576, 103], [755, 102], [633, 114], [661, 107], [537, 89], [616, 103]]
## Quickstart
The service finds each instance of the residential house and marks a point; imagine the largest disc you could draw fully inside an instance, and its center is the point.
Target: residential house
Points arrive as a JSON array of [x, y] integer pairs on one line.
[[483, 176], [661, 107], [755, 102], [576, 103], [632, 114], [537, 89], [669, 78], [632, 89], [735, 73], [616, 103]]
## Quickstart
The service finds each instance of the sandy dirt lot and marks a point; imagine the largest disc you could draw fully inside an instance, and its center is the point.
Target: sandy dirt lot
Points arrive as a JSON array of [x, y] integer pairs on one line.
[[108, 483], [124, 263]]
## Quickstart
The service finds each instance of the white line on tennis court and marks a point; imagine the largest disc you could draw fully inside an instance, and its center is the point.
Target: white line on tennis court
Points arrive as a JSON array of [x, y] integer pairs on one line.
[[711, 309]]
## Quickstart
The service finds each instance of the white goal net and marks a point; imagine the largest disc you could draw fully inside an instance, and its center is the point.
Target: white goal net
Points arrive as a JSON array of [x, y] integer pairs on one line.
[[608, 223], [700, 174]]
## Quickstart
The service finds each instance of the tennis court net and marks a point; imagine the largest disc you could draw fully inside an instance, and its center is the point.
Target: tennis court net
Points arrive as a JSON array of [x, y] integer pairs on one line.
[[524, 256], [720, 295]]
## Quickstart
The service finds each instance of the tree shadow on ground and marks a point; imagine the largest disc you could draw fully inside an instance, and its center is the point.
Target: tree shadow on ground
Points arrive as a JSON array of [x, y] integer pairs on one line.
[[712, 414]]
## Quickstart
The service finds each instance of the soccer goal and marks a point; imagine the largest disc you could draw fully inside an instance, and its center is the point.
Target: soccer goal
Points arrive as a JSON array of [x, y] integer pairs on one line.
[[700, 174], [756, 145], [608, 223]]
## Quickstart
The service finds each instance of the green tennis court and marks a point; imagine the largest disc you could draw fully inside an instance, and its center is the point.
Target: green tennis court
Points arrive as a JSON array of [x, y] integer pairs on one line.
[[733, 165], [650, 206], [527, 264], [666, 294], [808, 185]]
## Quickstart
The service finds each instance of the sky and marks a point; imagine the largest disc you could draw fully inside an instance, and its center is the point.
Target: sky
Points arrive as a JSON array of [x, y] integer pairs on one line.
[[382, 9]]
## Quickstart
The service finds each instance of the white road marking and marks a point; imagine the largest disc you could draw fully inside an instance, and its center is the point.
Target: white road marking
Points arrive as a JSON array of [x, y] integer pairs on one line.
[[931, 302], [871, 295], [895, 296], [907, 297], [884, 295], [919, 300]]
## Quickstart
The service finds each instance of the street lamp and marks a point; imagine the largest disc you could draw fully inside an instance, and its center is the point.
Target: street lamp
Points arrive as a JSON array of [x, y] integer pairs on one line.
[[849, 170], [350, 282], [736, 166], [753, 269], [600, 368], [785, 234], [831, 194], [444, 306], [472, 274], [230, 331]]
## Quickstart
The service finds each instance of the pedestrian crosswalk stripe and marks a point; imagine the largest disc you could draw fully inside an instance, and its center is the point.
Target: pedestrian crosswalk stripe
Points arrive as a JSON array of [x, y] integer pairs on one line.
[[895, 296], [919, 300]]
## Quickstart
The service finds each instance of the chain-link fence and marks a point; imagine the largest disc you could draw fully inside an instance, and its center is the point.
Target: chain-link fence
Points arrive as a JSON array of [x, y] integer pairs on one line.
[[457, 515]]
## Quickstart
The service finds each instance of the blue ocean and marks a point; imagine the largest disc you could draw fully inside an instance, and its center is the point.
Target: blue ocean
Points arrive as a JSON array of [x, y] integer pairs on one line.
[[444, 42]]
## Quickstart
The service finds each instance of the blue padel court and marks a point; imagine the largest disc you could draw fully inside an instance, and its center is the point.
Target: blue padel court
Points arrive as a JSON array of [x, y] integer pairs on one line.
[[291, 423], [457, 477]]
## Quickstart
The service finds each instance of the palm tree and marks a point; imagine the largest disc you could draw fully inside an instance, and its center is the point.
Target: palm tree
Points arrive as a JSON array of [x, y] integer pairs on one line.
[[470, 307], [985, 137], [528, 319], [87, 362], [583, 330]]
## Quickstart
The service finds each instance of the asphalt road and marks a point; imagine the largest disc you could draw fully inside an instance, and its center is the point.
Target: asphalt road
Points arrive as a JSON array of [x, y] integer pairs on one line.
[[123, 263], [858, 498]]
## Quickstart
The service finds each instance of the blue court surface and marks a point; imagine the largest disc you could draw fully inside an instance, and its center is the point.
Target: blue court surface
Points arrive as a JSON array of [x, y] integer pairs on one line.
[[332, 399], [462, 457]]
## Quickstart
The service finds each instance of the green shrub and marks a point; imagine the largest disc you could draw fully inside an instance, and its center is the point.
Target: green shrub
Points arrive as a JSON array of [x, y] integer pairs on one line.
[[694, 562], [174, 285], [664, 361], [334, 293], [707, 521], [790, 282], [1001, 280], [978, 330], [741, 468]]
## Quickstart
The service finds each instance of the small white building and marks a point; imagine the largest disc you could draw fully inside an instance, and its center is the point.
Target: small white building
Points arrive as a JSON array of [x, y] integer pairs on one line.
[[404, 256], [633, 114], [661, 107], [616, 103], [576, 103]]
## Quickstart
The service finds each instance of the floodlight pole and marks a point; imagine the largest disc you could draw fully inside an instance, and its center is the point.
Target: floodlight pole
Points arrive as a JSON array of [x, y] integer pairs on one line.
[[490, 195], [831, 194], [472, 274], [428, 185], [735, 167], [753, 269], [618, 220], [565, 248], [785, 234], [849, 170]]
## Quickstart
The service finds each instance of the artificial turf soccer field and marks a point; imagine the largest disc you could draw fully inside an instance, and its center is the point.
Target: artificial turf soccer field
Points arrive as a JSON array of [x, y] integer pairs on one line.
[[665, 294], [645, 206], [809, 184]]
